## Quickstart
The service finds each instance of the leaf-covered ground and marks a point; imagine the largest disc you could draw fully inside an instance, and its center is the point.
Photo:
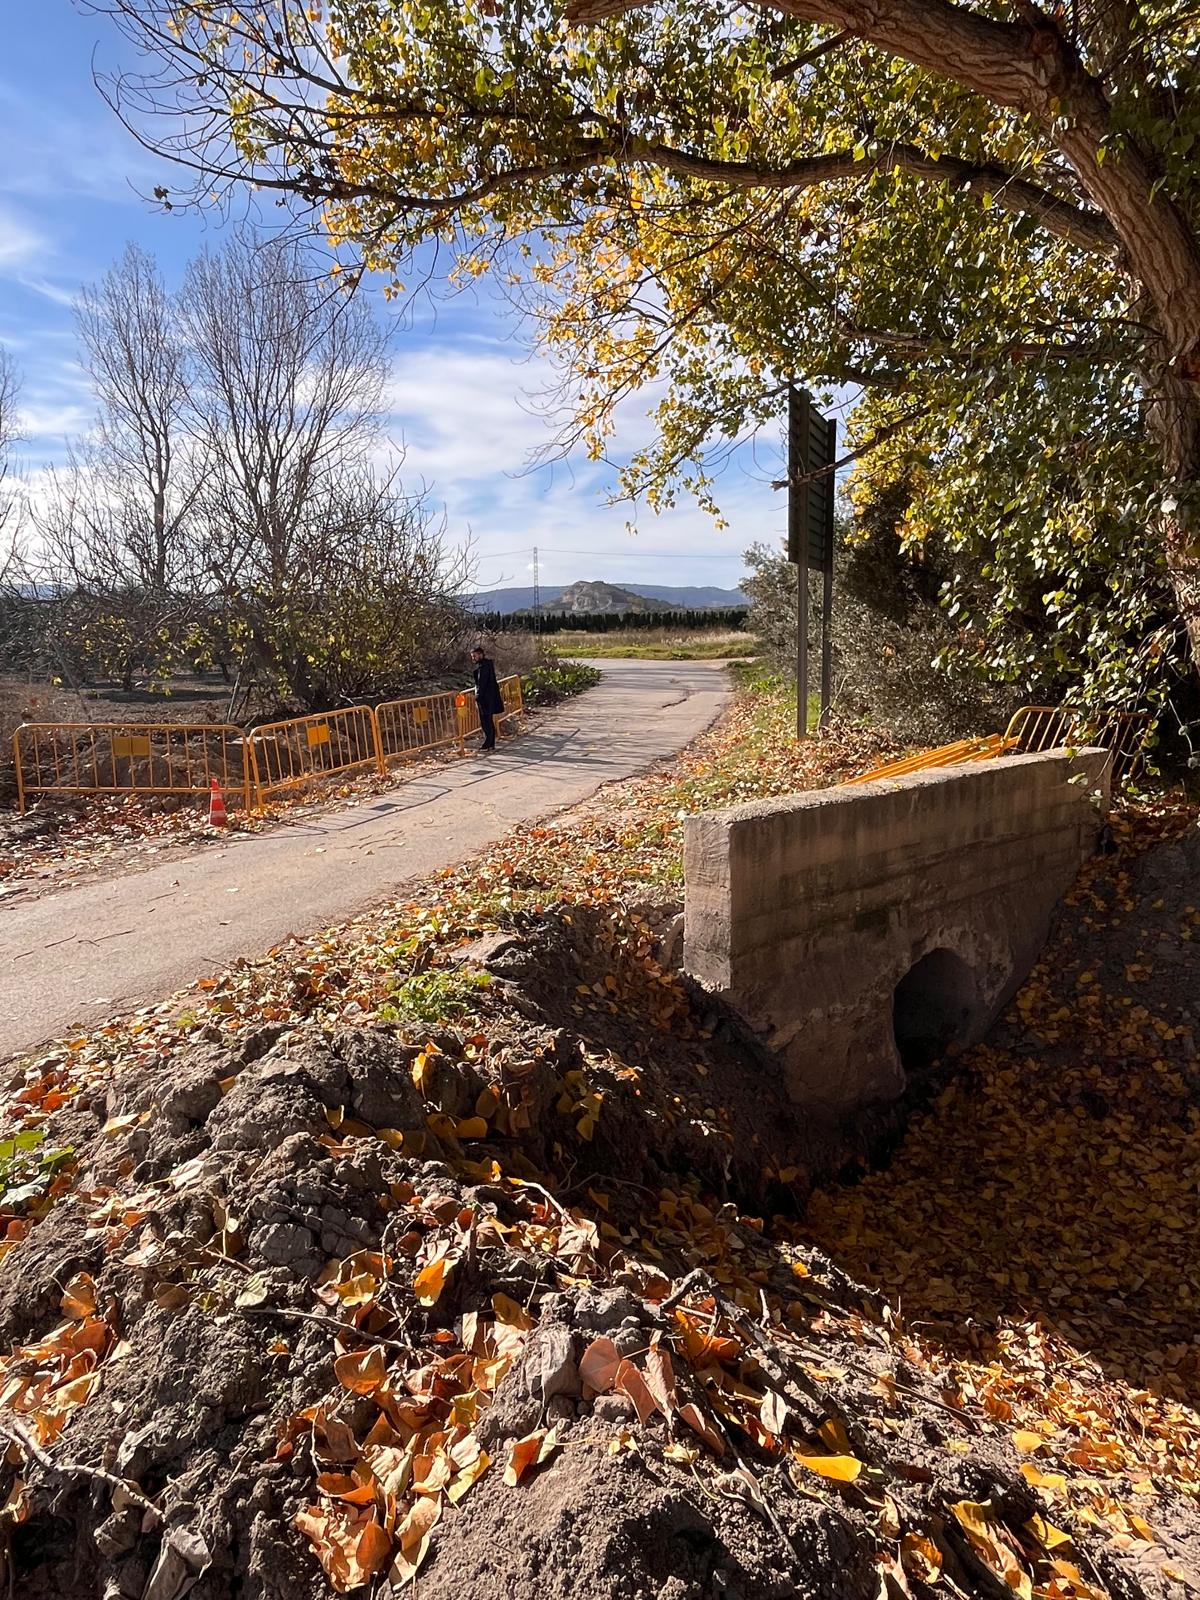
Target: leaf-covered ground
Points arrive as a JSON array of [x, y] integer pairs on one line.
[[457, 1251], [64, 841]]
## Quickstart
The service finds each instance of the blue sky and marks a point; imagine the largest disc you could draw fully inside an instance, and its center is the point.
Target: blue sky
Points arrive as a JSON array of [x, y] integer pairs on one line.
[[465, 389]]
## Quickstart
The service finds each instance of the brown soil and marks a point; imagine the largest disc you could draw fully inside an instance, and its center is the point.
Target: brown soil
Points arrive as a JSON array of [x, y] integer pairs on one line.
[[206, 1206]]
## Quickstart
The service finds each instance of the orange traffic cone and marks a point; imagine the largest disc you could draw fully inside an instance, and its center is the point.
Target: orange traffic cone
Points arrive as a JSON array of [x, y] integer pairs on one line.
[[217, 815]]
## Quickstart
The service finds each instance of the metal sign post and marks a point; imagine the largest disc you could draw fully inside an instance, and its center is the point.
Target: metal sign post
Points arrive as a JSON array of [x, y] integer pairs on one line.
[[812, 450]]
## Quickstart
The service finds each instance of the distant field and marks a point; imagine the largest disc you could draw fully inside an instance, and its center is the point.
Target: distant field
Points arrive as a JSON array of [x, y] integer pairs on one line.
[[655, 644]]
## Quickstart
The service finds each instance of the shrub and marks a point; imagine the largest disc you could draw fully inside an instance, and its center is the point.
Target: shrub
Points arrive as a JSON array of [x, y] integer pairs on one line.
[[552, 681], [885, 655], [437, 996]]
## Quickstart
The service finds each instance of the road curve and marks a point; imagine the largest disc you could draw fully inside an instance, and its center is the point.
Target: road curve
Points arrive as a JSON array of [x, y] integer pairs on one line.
[[70, 958]]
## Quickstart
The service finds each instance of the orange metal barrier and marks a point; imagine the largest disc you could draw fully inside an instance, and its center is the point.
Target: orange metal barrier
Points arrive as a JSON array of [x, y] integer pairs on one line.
[[1047, 727], [167, 758], [293, 753], [183, 758], [1035, 728], [406, 727], [511, 694], [946, 755], [468, 711]]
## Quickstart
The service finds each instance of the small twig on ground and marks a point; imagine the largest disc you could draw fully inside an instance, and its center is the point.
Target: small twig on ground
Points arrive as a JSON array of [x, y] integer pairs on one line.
[[332, 1324], [696, 1279], [12, 1430]]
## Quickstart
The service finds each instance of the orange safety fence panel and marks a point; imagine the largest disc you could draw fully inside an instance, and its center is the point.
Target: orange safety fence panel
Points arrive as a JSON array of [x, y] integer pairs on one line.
[[468, 711], [294, 753], [175, 758], [162, 758], [1050, 727], [946, 755], [512, 695], [406, 727]]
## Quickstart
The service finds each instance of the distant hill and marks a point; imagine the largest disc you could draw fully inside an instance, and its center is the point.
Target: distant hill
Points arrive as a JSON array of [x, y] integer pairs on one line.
[[685, 598], [590, 598]]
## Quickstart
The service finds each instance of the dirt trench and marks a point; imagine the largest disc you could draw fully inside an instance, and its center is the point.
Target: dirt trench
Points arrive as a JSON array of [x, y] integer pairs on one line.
[[308, 1303]]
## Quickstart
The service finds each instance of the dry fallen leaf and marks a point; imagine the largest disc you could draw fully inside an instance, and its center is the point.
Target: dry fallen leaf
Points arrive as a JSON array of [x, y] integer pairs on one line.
[[838, 1469], [921, 1557], [630, 1382], [989, 1540], [431, 1280], [79, 1297], [362, 1372], [527, 1453], [598, 1364], [413, 1537]]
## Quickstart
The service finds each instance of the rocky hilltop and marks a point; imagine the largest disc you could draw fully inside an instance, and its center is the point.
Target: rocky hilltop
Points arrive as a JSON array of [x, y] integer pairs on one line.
[[589, 598]]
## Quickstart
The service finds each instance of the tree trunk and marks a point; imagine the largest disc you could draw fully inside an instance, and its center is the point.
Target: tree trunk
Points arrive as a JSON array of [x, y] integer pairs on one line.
[[1174, 416]]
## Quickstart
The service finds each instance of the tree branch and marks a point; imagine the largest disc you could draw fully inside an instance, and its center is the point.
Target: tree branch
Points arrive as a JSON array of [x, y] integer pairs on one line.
[[1086, 229], [1012, 350]]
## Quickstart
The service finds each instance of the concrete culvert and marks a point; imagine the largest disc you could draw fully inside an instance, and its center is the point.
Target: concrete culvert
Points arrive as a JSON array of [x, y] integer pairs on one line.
[[935, 1005]]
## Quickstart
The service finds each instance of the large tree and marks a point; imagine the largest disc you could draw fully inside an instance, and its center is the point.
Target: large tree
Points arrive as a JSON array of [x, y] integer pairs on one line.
[[969, 211], [288, 375], [114, 522]]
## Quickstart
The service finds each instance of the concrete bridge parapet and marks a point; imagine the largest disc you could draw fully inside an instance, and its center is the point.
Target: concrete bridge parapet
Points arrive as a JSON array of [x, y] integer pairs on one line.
[[861, 930]]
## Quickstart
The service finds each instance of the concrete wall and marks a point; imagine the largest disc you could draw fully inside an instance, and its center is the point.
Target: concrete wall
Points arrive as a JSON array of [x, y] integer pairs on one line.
[[809, 913]]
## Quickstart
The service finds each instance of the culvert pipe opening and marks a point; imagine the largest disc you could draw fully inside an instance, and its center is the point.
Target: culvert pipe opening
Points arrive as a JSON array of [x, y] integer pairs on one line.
[[935, 1006]]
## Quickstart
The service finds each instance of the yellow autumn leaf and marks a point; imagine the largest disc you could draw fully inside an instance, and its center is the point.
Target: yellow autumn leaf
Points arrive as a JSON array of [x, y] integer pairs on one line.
[[431, 1280], [422, 1068], [509, 1312], [1046, 1534], [1053, 1482], [487, 1100], [468, 1476], [839, 1469], [988, 1540], [833, 1434]]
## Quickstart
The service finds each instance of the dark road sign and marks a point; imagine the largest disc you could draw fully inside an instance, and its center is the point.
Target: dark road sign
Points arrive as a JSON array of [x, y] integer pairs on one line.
[[812, 449]]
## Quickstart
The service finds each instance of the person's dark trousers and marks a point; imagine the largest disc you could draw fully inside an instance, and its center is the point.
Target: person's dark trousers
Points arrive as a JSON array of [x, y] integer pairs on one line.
[[487, 721]]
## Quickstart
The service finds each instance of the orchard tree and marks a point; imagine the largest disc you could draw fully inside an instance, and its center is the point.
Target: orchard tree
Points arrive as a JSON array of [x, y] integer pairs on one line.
[[985, 218], [15, 603], [114, 522]]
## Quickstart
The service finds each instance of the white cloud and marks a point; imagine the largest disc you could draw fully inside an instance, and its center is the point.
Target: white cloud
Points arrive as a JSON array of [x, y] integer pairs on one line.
[[57, 294], [62, 153], [21, 244], [470, 418]]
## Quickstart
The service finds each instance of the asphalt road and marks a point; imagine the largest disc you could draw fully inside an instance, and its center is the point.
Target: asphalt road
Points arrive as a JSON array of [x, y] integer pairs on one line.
[[71, 958]]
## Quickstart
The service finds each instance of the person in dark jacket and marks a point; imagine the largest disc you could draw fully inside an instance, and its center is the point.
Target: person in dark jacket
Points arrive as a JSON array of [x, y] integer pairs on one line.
[[487, 696]]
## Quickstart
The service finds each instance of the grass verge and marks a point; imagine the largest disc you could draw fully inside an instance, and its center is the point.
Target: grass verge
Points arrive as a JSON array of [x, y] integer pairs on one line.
[[648, 644]]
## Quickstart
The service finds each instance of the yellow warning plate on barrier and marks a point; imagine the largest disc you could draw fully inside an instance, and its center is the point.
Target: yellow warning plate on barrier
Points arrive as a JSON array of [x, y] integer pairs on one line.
[[318, 734], [130, 744]]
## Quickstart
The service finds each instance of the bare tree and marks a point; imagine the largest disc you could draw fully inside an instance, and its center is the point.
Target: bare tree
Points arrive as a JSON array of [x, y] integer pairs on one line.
[[129, 338], [289, 380], [114, 526], [9, 392], [16, 598], [232, 504]]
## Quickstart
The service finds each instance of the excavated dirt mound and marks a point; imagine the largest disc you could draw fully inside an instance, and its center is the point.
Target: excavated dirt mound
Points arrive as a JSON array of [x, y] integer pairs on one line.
[[482, 1312]]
